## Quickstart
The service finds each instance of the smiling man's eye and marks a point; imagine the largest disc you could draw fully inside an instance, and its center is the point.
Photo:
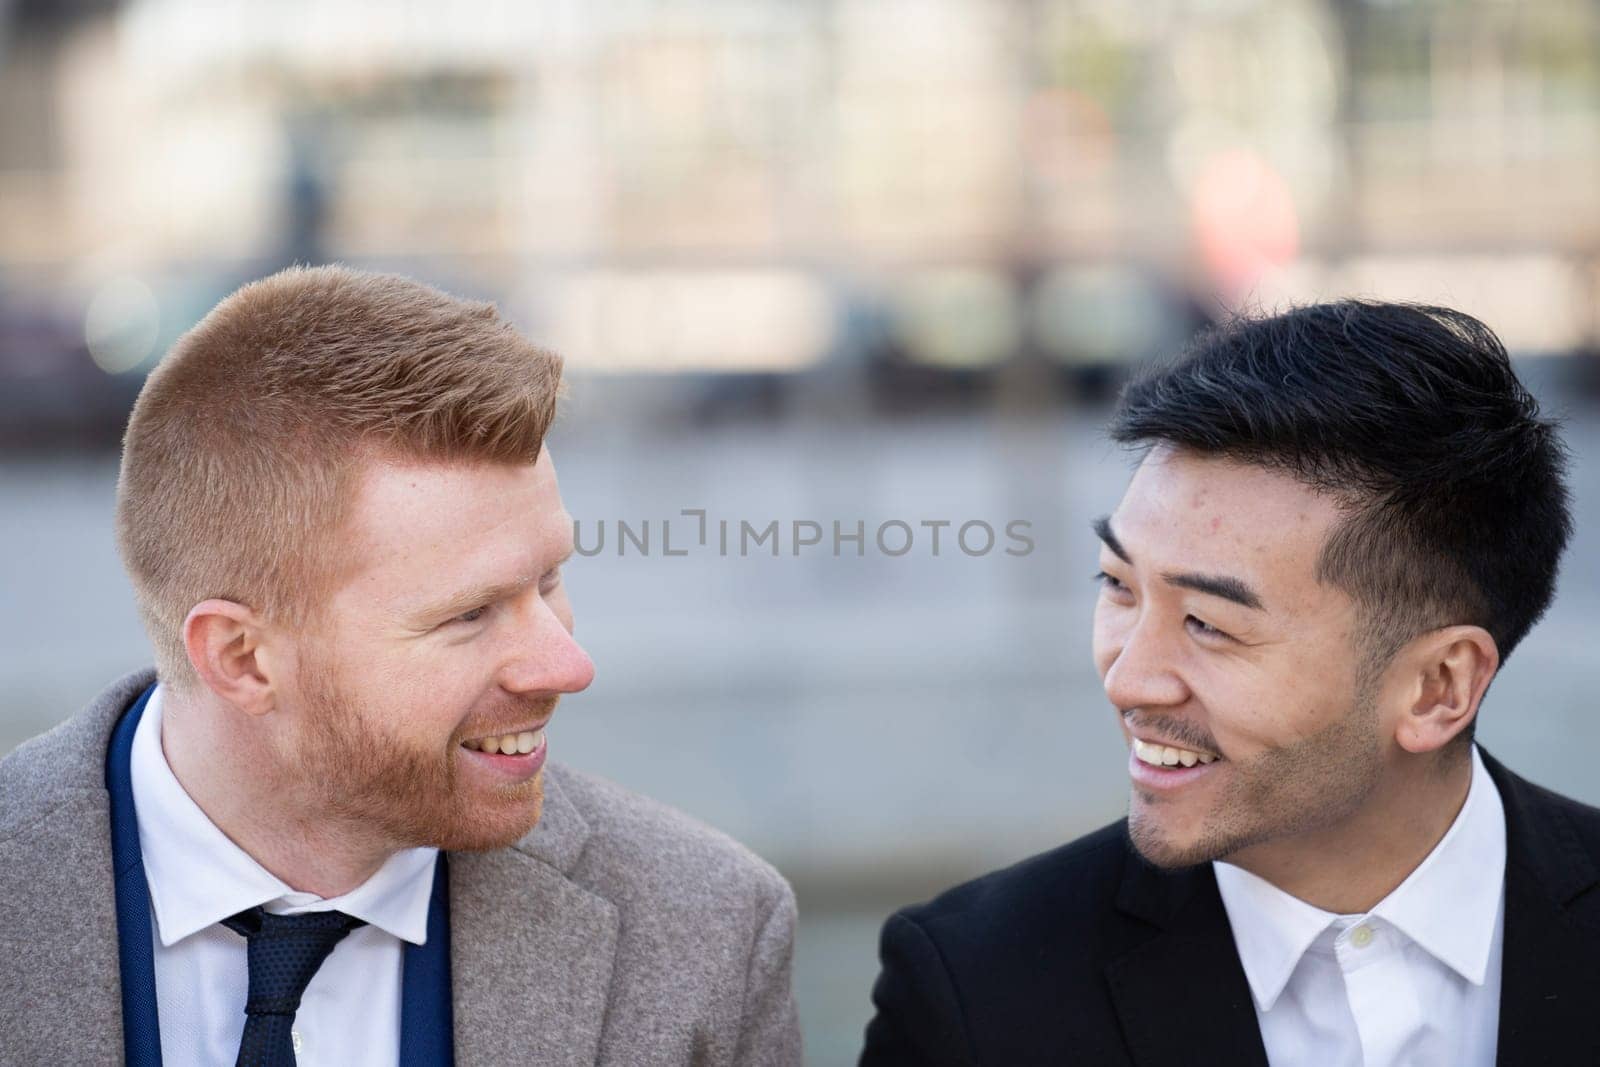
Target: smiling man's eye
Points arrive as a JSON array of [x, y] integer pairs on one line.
[[1205, 629], [472, 616], [1108, 582]]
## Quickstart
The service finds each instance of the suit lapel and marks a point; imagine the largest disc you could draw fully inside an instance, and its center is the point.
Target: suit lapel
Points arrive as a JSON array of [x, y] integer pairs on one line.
[[1182, 995], [530, 946], [58, 936], [60, 907], [1549, 980], [1550, 970]]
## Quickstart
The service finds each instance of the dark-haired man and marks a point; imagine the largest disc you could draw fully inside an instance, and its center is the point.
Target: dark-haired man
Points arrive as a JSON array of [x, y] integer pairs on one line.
[[1345, 518]]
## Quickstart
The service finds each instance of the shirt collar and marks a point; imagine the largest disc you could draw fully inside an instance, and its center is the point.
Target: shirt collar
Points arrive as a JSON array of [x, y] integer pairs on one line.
[[1271, 929], [1448, 905], [198, 876]]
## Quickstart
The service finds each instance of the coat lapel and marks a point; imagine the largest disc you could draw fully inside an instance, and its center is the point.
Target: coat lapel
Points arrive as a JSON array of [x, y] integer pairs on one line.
[[58, 914], [59, 944], [1182, 994], [531, 950], [1550, 971]]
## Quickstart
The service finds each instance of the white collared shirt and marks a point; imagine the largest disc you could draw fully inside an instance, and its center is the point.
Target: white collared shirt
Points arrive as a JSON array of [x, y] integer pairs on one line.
[[1416, 980], [197, 877]]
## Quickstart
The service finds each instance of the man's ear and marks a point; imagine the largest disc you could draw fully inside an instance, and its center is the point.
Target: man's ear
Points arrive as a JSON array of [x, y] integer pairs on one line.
[[228, 646], [1445, 674]]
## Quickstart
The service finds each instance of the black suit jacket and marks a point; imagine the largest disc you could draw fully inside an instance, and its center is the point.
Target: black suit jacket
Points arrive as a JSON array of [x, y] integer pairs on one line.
[[1088, 955]]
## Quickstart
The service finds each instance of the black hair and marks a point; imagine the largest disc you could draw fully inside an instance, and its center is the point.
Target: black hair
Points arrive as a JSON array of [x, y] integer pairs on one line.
[[1412, 418]]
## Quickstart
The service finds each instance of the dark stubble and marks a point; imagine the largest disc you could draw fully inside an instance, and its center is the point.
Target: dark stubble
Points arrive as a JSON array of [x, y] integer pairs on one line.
[[1301, 788]]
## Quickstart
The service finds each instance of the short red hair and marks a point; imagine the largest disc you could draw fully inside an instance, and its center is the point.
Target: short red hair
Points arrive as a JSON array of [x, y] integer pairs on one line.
[[240, 456]]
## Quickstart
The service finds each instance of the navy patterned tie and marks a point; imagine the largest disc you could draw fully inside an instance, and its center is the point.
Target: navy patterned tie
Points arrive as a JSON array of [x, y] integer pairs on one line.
[[285, 951]]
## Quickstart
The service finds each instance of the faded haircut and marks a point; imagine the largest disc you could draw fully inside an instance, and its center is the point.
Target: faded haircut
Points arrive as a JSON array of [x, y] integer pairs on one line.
[[243, 449], [1412, 418]]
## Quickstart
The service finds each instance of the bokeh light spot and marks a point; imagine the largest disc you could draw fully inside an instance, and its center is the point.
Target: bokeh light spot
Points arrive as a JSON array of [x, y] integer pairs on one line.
[[121, 324]]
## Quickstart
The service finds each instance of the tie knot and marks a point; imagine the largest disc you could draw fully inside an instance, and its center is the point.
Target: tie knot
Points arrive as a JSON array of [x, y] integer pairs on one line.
[[259, 922], [284, 952]]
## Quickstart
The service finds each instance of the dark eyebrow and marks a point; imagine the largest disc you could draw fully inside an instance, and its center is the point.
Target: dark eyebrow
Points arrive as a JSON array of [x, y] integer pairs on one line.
[[1218, 585], [1102, 529]]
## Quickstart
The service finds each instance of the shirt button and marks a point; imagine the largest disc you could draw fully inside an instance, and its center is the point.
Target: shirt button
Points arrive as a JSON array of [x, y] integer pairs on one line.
[[1361, 936], [294, 1039]]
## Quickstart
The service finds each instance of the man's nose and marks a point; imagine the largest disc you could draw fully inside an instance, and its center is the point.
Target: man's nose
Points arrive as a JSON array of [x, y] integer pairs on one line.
[[547, 658], [1142, 672]]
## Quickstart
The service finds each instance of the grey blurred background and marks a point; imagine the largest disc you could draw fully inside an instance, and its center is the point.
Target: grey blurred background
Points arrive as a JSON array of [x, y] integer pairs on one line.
[[843, 261]]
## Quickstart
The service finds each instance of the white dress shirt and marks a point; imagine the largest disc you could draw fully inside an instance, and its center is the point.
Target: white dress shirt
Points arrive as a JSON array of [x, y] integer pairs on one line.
[[1416, 980], [350, 1013]]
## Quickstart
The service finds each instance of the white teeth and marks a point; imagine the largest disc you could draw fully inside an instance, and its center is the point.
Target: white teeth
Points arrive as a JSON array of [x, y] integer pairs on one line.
[[1167, 756], [1148, 753], [519, 744]]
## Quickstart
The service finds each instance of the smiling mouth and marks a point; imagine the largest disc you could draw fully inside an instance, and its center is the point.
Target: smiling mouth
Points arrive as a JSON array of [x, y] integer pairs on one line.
[[516, 744], [1169, 756]]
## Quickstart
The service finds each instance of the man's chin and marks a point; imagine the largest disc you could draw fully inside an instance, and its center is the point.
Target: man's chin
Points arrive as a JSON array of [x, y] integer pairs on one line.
[[1159, 848], [490, 830]]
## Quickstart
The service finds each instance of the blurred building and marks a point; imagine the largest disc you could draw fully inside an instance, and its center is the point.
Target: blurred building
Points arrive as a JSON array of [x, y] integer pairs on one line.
[[926, 188]]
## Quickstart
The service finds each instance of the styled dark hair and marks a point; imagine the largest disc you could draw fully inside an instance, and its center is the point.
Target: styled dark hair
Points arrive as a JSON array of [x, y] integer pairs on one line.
[[1412, 418]]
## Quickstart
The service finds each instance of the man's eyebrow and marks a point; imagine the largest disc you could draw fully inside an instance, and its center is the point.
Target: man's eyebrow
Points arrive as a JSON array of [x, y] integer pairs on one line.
[[1102, 529], [1222, 585], [477, 595], [1218, 585], [470, 597]]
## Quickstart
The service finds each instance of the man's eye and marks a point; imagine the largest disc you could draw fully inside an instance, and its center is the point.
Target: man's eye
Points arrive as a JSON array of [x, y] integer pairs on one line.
[[1204, 629], [472, 616], [1109, 582]]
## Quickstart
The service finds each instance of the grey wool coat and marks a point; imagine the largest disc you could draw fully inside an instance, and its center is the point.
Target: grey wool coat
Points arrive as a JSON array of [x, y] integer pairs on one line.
[[619, 931]]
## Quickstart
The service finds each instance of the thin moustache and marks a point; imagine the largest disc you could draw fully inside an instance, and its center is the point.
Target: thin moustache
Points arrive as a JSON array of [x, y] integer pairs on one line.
[[1171, 732]]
